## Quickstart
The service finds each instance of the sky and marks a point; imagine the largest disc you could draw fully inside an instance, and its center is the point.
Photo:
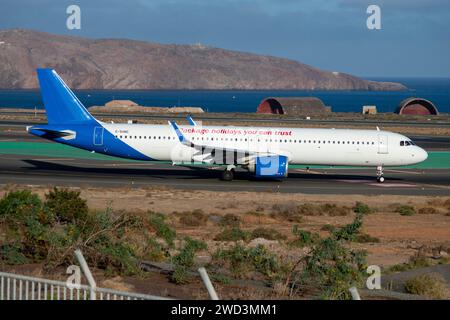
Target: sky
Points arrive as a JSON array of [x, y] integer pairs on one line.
[[414, 39]]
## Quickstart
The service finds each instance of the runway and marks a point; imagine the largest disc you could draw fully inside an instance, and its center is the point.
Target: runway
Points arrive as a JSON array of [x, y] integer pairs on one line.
[[29, 170]]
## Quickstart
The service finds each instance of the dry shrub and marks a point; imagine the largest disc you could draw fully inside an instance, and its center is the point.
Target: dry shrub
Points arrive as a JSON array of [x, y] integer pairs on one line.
[[427, 285], [233, 234], [309, 209], [366, 238], [294, 213], [428, 210], [406, 210], [333, 210], [444, 203], [194, 218], [230, 220], [447, 204], [267, 233]]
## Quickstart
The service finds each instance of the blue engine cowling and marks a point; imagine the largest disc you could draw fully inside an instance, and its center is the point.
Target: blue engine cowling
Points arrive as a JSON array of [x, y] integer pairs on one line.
[[271, 167]]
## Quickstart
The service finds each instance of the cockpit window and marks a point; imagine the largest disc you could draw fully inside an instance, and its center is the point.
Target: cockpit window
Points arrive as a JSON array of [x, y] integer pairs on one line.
[[407, 143]]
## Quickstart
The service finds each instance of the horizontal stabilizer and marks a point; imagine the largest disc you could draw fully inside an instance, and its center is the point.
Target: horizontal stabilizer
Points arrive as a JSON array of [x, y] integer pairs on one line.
[[53, 134]]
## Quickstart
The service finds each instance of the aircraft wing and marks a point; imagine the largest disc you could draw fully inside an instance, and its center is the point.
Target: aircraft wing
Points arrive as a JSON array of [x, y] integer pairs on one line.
[[208, 152]]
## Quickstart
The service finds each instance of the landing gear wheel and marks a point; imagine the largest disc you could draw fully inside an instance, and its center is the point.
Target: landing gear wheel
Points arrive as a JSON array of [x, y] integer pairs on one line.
[[380, 177], [227, 175]]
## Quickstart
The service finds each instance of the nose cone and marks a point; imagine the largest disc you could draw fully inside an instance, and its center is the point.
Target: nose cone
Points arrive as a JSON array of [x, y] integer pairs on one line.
[[419, 155], [422, 155]]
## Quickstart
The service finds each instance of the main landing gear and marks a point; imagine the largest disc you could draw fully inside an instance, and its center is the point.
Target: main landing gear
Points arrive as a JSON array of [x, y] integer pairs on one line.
[[380, 178], [228, 173]]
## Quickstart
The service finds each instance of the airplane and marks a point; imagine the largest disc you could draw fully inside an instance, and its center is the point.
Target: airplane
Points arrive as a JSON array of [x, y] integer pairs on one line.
[[266, 152]]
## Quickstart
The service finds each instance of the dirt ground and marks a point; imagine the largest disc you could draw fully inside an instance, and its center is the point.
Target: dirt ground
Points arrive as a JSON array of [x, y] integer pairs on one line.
[[400, 236]]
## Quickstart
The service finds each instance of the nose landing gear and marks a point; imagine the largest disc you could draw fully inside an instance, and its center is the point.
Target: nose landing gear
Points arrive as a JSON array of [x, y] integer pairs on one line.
[[380, 178]]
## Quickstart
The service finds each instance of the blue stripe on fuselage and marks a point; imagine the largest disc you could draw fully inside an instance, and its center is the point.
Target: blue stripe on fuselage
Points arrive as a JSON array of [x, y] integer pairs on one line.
[[84, 139]]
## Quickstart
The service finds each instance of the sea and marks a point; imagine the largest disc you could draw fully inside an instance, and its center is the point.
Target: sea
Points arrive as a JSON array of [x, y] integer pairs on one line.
[[436, 90]]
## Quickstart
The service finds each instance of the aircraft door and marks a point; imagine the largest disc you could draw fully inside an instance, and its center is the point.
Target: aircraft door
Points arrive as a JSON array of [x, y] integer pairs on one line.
[[383, 144], [98, 136]]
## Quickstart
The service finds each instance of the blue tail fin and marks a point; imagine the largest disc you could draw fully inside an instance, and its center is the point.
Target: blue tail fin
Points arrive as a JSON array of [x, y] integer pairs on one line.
[[61, 104]]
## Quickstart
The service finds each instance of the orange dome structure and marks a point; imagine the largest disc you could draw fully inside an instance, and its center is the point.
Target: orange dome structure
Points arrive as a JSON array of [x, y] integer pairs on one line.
[[417, 106], [293, 106]]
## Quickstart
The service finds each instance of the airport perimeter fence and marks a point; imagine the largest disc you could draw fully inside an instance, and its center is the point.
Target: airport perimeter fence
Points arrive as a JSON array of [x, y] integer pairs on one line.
[[21, 287]]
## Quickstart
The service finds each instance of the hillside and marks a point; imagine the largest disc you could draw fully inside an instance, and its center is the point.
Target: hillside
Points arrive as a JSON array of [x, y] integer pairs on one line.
[[128, 64]]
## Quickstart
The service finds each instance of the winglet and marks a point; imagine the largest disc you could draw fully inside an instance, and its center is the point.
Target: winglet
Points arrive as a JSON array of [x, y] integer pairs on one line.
[[177, 131], [191, 121]]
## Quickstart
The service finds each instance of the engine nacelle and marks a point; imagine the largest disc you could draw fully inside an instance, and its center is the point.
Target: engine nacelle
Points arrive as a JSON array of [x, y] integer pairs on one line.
[[270, 167]]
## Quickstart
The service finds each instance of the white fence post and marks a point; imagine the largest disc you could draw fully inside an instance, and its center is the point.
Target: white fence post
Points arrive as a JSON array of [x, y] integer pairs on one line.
[[355, 294], [87, 272], [211, 291]]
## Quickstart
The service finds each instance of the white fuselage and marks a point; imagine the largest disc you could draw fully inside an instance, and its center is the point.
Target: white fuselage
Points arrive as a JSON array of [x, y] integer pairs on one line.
[[301, 146]]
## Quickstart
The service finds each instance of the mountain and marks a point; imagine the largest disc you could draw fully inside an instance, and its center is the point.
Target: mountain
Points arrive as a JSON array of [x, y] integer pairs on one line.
[[128, 64]]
